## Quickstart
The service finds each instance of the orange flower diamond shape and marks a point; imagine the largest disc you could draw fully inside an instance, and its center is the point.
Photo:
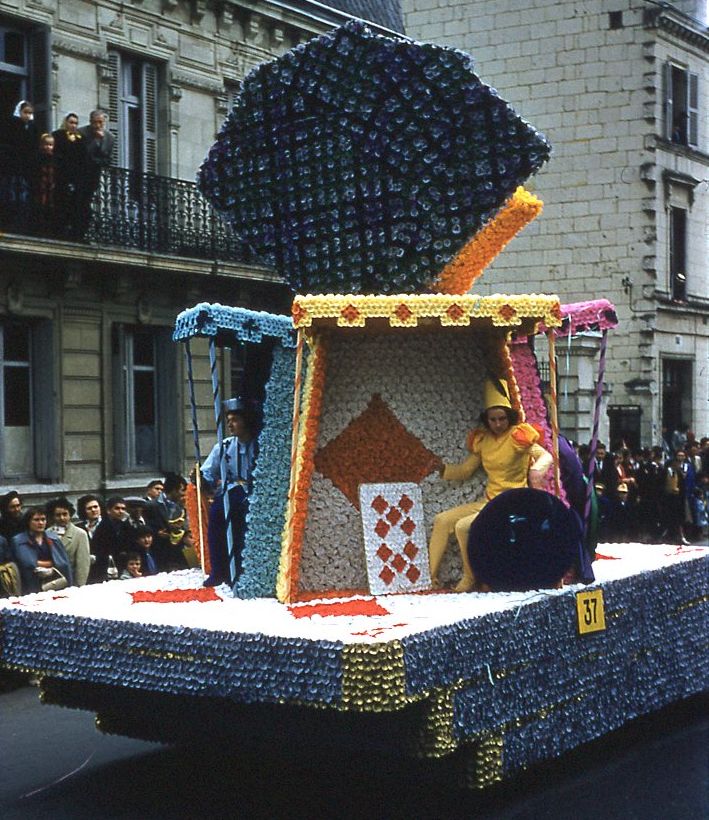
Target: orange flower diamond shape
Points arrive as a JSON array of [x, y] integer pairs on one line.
[[408, 527], [374, 448], [399, 562], [413, 574], [403, 312], [384, 552], [393, 516], [387, 575], [380, 504], [382, 528], [410, 550], [507, 312], [455, 312], [350, 314]]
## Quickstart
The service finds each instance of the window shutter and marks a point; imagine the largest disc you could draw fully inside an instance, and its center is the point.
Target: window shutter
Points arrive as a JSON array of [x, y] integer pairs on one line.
[[40, 75], [114, 73], [46, 408], [667, 77], [171, 426], [693, 110], [119, 390], [150, 118]]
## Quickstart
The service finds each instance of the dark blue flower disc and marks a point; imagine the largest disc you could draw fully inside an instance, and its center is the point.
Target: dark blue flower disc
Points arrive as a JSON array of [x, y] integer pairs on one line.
[[358, 163]]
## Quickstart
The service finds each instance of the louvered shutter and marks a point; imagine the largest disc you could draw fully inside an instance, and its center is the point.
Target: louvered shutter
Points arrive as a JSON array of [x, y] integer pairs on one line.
[[150, 118], [667, 77], [46, 408], [40, 75], [171, 426], [114, 92], [119, 392], [693, 110]]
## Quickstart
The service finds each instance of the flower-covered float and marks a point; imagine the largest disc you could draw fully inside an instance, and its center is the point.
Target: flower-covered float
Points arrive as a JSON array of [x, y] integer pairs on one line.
[[379, 177]]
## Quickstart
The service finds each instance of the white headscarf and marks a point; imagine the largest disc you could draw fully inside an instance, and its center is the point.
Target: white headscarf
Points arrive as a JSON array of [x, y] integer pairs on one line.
[[18, 108]]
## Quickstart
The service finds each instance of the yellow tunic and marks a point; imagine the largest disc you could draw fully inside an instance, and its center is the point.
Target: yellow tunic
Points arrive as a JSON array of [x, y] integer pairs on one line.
[[507, 460]]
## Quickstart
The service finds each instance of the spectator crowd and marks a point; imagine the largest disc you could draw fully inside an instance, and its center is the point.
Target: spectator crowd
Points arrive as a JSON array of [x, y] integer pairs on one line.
[[56, 545], [654, 494], [47, 180]]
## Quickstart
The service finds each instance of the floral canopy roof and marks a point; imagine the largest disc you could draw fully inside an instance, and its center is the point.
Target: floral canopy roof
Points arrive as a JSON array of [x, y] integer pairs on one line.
[[358, 163]]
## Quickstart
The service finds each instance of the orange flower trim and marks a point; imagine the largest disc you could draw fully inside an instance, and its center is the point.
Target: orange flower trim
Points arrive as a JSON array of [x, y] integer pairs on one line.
[[460, 273], [515, 395], [300, 315], [289, 570], [200, 539]]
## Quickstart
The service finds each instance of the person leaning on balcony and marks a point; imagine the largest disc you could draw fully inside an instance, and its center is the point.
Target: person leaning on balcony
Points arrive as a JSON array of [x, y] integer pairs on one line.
[[70, 151], [509, 454], [19, 138], [98, 141]]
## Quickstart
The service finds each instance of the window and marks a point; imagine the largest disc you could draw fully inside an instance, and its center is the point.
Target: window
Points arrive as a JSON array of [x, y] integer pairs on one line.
[[17, 447], [681, 106], [147, 425], [624, 425], [676, 393], [678, 254], [24, 69], [28, 392], [133, 112]]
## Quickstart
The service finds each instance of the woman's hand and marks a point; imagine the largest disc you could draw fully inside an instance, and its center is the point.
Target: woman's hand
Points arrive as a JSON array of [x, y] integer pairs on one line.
[[535, 479]]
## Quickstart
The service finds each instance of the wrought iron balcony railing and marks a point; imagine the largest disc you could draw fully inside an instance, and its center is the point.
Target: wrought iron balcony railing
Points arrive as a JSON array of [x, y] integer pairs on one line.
[[133, 210]]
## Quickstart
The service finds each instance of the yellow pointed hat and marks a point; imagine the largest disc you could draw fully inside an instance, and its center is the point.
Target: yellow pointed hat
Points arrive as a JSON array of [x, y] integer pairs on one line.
[[496, 393]]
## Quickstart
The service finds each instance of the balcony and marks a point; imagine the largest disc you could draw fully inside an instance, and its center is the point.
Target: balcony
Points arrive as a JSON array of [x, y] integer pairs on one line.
[[134, 211]]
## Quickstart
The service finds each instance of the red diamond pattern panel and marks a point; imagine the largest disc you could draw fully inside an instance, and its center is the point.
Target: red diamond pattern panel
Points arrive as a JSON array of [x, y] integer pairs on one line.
[[397, 558]]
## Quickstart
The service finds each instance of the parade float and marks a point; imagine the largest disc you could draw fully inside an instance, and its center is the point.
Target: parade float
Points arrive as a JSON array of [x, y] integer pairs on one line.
[[379, 177]]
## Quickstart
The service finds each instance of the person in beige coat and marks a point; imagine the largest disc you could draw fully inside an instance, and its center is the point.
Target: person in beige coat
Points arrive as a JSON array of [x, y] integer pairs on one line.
[[74, 539]]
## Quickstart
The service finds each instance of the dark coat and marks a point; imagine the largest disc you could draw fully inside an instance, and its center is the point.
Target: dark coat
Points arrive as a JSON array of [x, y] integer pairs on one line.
[[110, 539]]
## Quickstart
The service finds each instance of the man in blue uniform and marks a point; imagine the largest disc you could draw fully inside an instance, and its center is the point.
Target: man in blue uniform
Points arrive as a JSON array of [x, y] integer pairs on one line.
[[228, 470]]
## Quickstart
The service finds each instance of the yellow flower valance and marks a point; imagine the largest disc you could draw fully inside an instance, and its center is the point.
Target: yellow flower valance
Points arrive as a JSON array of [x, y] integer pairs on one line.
[[451, 310]]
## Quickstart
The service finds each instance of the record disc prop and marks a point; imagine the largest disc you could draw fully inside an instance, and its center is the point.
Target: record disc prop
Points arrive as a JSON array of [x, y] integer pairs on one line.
[[523, 539]]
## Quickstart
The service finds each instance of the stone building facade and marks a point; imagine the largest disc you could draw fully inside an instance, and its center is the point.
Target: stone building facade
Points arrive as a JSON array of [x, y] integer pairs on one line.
[[92, 394], [622, 91]]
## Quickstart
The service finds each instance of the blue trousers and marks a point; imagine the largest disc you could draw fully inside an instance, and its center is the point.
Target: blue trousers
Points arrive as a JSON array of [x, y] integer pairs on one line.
[[217, 535]]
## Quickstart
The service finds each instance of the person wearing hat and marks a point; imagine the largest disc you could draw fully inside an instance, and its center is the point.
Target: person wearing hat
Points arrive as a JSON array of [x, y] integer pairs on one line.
[[511, 456], [228, 469]]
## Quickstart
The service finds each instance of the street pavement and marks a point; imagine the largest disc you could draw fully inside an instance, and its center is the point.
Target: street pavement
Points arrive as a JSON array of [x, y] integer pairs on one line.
[[54, 764]]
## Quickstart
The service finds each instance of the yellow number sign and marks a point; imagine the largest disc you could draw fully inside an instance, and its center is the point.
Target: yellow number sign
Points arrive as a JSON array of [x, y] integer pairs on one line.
[[589, 611]]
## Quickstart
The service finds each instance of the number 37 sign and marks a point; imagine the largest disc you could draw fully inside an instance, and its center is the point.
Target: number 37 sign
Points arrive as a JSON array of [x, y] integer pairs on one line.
[[590, 612]]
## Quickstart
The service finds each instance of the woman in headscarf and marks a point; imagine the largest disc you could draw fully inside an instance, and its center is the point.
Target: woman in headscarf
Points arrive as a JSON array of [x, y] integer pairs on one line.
[[510, 455], [70, 155], [20, 141]]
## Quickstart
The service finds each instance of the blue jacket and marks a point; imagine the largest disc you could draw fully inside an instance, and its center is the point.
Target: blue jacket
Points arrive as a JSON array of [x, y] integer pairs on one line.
[[25, 556]]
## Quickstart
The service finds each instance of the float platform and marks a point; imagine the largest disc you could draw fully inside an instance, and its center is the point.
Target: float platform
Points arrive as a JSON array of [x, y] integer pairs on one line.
[[506, 677]]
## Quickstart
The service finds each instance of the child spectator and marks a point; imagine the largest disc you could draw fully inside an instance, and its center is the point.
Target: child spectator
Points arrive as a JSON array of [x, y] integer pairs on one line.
[[43, 188], [143, 543], [132, 566]]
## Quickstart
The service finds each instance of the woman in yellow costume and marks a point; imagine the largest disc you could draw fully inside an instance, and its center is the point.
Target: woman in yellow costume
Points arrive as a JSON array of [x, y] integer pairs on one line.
[[510, 455]]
